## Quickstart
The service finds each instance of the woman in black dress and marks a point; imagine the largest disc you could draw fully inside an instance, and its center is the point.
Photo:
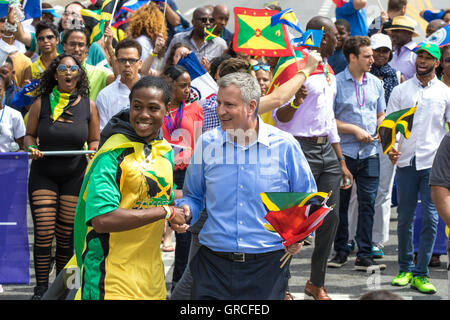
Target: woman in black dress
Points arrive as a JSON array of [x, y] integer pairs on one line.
[[61, 118]]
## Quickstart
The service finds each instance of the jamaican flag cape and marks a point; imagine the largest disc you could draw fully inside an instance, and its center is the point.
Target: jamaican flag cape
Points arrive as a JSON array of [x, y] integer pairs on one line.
[[255, 36], [294, 215], [399, 121], [127, 172]]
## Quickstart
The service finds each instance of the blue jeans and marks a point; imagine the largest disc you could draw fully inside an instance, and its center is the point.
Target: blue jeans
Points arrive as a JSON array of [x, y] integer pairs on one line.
[[410, 182], [366, 173]]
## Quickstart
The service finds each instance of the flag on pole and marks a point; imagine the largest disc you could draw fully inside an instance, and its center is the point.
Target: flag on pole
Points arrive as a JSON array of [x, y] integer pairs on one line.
[[294, 215], [255, 36], [96, 19], [310, 38], [14, 248], [288, 18], [209, 33], [440, 37], [399, 121], [202, 84]]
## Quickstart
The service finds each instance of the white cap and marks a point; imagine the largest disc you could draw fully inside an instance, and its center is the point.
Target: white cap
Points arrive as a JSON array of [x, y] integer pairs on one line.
[[379, 40]]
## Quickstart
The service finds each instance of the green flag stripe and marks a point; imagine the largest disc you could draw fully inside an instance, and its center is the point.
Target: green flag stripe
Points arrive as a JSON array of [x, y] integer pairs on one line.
[[270, 34], [245, 32]]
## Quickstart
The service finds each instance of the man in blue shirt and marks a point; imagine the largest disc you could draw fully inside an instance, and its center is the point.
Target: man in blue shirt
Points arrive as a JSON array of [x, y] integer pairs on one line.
[[359, 109], [231, 166], [353, 12]]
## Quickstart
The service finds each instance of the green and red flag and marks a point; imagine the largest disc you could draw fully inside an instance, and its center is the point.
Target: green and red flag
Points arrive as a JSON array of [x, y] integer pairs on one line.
[[294, 215], [255, 36], [399, 121]]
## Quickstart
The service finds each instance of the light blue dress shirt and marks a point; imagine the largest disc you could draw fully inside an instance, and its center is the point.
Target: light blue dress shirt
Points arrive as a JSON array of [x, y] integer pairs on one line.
[[347, 109], [228, 178]]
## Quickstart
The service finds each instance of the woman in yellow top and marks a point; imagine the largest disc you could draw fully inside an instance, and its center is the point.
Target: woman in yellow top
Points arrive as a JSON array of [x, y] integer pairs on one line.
[[47, 37], [124, 202]]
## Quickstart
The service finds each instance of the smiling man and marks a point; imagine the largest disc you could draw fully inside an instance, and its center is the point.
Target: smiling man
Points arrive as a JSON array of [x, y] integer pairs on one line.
[[231, 166], [414, 162]]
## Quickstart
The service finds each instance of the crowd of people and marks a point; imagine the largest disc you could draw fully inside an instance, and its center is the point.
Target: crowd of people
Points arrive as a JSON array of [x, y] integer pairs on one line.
[[167, 163]]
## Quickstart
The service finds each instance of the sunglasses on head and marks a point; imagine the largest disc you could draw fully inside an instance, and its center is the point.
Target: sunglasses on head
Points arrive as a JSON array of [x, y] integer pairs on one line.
[[62, 69], [48, 37], [260, 65], [447, 60]]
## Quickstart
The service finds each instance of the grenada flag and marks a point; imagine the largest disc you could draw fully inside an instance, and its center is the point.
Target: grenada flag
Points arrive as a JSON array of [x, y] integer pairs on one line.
[[255, 36], [294, 215]]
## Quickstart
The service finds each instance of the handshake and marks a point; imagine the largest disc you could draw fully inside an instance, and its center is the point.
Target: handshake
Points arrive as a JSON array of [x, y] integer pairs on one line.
[[178, 222]]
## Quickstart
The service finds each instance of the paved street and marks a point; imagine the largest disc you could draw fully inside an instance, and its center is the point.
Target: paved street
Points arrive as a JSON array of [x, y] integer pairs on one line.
[[342, 284]]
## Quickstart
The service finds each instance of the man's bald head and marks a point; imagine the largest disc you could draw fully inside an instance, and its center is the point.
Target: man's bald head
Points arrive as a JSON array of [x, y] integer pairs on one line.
[[330, 33], [435, 25], [201, 11], [221, 14]]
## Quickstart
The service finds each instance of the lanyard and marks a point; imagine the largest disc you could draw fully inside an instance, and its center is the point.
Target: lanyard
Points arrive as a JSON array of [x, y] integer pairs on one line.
[[357, 92], [178, 119]]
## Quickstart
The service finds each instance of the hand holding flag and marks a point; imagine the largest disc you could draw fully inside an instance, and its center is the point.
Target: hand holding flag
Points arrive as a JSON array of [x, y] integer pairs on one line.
[[294, 215]]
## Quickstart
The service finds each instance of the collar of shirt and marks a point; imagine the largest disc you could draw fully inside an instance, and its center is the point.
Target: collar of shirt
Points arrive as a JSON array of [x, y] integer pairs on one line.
[[348, 76], [420, 84], [410, 46], [263, 135]]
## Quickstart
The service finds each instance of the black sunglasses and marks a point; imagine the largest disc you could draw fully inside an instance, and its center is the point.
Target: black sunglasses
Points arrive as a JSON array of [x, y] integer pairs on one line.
[[131, 61], [206, 19], [447, 60], [48, 37]]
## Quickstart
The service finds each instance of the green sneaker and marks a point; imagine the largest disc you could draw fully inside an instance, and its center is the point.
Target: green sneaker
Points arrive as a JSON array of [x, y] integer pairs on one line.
[[402, 279], [423, 285]]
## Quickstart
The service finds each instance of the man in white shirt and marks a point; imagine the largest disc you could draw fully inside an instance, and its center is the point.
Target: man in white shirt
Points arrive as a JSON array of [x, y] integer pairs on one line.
[[115, 97], [414, 160]]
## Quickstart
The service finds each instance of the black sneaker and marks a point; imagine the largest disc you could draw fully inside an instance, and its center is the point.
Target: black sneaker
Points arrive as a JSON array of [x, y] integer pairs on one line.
[[39, 292], [367, 263], [338, 261]]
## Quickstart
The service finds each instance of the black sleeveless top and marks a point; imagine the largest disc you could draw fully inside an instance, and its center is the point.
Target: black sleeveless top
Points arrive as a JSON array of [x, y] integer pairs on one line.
[[62, 136]]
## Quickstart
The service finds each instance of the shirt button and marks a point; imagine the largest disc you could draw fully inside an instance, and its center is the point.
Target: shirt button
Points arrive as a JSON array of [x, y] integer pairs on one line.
[[240, 239], [242, 168], [241, 186], [241, 204], [240, 222]]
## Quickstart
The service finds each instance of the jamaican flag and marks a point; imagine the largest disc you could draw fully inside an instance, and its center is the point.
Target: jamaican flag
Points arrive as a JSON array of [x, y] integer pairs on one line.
[[95, 20], [255, 36], [294, 215], [209, 33], [399, 121]]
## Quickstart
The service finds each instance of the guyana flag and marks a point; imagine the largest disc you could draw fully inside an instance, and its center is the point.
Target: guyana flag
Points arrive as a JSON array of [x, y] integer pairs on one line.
[[294, 215], [255, 36], [399, 121], [95, 20]]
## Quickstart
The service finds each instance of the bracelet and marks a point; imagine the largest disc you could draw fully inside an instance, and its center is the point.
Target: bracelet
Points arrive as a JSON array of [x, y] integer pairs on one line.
[[10, 27], [32, 146], [173, 214], [168, 212], [306, 74], [153, 54], [341, 158], [293, 105]]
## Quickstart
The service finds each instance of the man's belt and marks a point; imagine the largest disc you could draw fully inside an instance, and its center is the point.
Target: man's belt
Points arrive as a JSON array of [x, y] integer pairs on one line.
[[318, 140], [240, 256]]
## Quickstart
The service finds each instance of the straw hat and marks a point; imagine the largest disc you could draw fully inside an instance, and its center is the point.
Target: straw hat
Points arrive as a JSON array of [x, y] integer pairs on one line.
[[403, 23]]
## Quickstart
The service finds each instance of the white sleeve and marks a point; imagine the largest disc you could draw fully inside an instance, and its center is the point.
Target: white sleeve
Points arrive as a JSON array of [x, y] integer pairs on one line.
[[102, 107], [18, 125]]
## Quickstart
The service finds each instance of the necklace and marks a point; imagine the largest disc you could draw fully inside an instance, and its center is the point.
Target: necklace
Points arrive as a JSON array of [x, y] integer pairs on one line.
[[358, 93], [325, 69], [177, 121]]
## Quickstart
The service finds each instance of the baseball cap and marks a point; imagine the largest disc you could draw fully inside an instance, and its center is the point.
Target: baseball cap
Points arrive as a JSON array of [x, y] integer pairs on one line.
[[431, 48], [380, 40]]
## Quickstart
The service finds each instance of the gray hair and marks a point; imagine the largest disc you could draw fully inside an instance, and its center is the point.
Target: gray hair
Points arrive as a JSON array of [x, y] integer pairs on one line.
[[250, 89]]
